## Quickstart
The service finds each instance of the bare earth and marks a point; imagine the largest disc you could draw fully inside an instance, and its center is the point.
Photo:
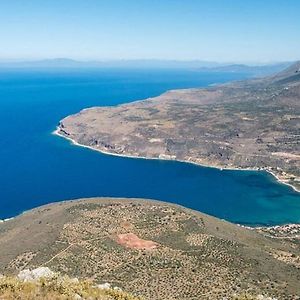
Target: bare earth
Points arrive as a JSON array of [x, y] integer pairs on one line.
[[251, 124], [132, 241], [154, 249]]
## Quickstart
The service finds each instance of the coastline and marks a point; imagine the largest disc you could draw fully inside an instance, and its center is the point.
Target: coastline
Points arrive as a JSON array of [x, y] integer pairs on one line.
[[5, 220], [262, 229], [254, 227], [56, 132]]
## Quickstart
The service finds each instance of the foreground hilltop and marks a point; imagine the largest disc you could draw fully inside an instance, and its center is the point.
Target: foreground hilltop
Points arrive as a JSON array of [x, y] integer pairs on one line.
[[253, 124], [153, 249], [43, 284]]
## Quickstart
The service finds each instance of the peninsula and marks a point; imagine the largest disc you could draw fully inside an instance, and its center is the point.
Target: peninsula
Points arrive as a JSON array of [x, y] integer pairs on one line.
[[252, 124]]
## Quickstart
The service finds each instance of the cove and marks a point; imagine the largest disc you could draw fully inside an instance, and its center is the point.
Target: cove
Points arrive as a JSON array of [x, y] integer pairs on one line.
[[37, 167]]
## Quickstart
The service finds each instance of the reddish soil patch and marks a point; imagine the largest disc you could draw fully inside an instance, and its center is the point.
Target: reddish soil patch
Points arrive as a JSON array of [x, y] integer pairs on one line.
[[132, 241]]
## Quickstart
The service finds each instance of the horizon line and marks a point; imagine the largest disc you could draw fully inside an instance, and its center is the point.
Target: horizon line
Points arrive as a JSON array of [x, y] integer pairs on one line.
[[109, 60]]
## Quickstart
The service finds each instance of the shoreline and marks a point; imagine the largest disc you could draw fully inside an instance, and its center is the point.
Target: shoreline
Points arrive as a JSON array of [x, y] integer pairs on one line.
[[56, 132], [73, 142], [256, 227], [5, 220]]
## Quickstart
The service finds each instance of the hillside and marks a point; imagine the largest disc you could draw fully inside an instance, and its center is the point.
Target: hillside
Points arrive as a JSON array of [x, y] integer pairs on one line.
[[253, 124], [153, 249]]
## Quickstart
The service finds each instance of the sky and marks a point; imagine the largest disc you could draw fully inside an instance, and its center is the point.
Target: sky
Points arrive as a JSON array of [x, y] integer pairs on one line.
[[212, 30]]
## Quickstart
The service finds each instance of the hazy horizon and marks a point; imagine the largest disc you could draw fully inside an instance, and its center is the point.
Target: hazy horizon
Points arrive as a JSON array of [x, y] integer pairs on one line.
[[145, 60]]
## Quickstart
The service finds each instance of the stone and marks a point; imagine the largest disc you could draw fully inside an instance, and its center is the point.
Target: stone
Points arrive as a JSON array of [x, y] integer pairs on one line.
[[35, 274]]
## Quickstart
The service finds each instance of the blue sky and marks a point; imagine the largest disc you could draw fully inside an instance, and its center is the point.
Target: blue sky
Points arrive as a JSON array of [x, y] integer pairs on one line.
[[215, 30]]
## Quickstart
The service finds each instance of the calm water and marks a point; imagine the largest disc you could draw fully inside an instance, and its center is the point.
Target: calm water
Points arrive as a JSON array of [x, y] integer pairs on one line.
[[37, 167]]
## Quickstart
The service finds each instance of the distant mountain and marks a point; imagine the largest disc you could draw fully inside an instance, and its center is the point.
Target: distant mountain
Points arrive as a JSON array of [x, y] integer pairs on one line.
[[261, 70], [198, 65], [69, 63], [47, 63]]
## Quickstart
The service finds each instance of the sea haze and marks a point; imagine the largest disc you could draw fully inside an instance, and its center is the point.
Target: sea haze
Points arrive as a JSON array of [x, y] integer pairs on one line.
[[37, 167]]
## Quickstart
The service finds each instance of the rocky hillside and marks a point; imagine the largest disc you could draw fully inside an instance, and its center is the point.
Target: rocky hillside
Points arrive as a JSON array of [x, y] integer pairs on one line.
[[153, 250]]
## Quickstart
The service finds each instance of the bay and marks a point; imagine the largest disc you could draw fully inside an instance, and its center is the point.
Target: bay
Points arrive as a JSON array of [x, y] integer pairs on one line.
[[37, 167]]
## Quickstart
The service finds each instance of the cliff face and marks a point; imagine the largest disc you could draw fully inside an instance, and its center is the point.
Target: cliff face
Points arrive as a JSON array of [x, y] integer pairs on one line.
[[153, 249], [252, 124]]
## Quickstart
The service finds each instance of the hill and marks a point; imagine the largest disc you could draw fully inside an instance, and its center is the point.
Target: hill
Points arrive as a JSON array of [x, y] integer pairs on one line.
[[153, 249], [252, 124]]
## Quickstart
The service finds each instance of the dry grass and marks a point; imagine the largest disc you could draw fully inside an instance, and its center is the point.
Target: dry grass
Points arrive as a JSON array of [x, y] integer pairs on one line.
[[60, 288]]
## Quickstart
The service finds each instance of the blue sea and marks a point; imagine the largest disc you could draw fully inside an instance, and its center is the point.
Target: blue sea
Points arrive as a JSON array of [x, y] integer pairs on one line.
[[37, 167]]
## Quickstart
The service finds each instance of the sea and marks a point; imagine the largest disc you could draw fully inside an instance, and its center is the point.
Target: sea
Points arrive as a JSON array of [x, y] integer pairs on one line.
[[37, 167]]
